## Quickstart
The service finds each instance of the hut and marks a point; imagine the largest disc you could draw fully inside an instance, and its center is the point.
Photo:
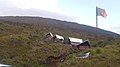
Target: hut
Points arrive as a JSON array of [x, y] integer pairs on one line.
[[67, 41], [58, 38], [85, 55], [75, 41], [84, 45], [3, 65], [49, 35]]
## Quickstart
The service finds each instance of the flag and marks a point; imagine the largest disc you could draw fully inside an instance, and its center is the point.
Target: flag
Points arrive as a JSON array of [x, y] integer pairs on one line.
[[101, 12]]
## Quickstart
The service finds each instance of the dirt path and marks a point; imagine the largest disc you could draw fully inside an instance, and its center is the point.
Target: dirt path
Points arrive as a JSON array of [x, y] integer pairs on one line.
[[52, 61]]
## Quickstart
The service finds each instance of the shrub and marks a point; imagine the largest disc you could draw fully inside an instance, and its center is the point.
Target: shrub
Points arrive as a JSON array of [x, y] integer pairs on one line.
[[99, 50]]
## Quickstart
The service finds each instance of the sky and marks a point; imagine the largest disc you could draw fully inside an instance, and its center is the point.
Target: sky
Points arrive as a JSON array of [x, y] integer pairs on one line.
[[80, 11]]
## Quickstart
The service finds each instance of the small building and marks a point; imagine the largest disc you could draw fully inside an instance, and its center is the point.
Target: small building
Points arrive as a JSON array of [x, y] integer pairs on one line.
[[75, 41], [49, 35], [58, 38], [67, 41], [84, 45], [85, 55], [3, 65]]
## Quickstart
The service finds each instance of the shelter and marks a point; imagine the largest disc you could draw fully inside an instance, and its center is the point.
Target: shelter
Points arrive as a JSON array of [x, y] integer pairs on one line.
[[58, 38], [85, 55], [84, 45], [3, 65], [49, 35], [67, 41], [75, 41]]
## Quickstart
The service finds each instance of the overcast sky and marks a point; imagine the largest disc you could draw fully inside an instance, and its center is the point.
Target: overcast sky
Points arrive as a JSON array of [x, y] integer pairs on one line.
[[81, 11]]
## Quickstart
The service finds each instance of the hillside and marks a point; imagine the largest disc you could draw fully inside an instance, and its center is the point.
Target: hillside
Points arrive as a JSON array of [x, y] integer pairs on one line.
[[23, 44], [57, 23]]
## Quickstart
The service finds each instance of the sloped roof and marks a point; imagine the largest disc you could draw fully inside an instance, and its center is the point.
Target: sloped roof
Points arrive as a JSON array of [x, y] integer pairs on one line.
[[86, 42], [75, 40], [59, 37], [50, 34]]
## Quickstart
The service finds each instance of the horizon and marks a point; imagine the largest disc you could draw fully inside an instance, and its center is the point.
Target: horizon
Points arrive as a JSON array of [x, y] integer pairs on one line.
[[59, 20], [82, 12]]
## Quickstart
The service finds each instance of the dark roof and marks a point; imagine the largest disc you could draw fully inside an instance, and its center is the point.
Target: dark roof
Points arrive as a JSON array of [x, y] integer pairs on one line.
[[85, 43]]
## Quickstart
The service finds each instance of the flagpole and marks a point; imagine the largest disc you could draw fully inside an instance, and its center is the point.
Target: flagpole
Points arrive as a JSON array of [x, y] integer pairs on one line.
[[96, 26], [99, 12], [96, 18]]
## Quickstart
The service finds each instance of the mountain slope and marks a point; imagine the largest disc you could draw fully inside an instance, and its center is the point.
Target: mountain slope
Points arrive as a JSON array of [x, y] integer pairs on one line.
[[83, 31], [23, 43], [57, 23]]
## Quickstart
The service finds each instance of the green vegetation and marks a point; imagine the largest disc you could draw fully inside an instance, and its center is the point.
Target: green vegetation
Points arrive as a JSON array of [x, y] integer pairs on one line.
[[23, 44]]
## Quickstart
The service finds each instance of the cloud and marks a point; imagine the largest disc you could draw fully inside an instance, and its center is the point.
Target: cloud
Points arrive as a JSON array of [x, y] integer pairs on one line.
[[42, 8], [49, 5], [5, 4], [13, 11]]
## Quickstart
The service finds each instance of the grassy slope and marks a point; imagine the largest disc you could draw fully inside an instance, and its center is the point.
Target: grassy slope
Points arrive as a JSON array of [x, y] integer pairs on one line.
[[24, 45], [69, 28]]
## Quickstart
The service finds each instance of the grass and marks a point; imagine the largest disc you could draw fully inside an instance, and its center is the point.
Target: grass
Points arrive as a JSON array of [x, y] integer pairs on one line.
[[24, 45]]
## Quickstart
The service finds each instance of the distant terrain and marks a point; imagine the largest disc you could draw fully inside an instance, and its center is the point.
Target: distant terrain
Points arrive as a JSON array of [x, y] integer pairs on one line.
[[23, 43]]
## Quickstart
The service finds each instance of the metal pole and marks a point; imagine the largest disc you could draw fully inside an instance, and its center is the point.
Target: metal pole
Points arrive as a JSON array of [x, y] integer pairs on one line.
[[96, 27], [96, 18]]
